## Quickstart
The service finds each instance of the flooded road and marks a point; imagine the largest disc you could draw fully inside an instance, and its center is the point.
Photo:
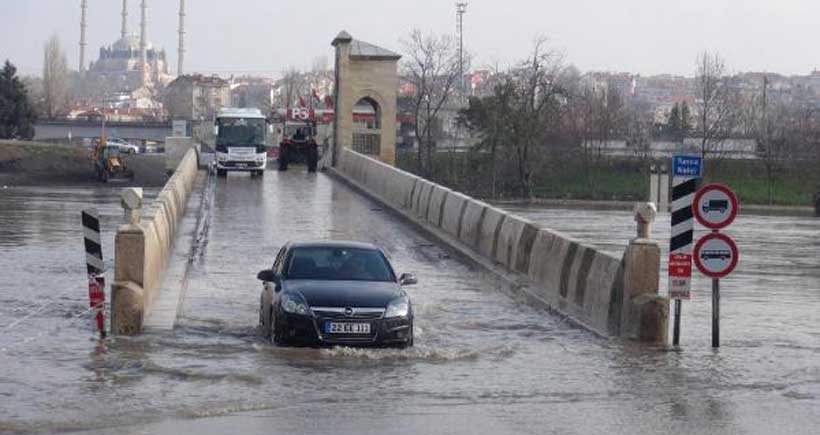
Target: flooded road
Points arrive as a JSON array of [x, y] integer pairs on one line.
[[483, 363]]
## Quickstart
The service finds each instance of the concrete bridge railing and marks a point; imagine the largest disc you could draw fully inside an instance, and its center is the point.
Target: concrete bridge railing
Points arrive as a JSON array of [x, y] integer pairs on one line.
[[608, 295], [142, 250]]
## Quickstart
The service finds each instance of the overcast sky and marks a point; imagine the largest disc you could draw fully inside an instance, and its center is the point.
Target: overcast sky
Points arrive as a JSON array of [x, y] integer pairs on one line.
[[264, 37]]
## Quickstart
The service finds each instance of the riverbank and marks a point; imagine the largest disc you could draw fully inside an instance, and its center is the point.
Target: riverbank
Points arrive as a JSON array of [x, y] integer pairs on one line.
[[565, 178], [750, 209], [42, 164]]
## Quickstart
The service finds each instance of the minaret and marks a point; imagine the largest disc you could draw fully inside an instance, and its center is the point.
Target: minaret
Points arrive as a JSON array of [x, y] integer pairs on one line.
[[83, 9], [144, 41], [181, 50], [124, 30]]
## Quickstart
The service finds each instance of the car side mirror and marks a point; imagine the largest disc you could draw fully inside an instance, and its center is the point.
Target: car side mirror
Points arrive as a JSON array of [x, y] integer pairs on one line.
[[407, 279], [267, 275]]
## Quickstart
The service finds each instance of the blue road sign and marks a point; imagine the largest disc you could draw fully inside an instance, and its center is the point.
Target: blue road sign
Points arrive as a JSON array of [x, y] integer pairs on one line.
[[687, 166]]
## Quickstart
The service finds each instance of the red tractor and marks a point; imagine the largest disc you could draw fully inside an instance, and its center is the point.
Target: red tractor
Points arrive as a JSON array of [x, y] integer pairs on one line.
[[298, 145]]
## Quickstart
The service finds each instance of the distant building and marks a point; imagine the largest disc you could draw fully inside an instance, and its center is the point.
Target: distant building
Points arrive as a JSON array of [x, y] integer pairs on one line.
[[197, 97], [253, 92], [119, 68]]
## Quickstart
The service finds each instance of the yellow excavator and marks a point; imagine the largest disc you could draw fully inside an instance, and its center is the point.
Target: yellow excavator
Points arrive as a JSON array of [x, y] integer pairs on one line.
[[109, 164]]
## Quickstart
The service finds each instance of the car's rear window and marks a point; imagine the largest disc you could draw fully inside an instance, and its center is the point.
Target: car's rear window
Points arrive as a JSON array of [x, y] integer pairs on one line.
[[335, 263]]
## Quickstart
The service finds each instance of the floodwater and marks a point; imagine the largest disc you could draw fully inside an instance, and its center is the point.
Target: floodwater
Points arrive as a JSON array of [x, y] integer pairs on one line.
[[483, 363]]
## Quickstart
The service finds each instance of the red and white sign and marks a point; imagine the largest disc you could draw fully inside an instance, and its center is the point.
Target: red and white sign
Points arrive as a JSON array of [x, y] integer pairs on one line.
[[715, 206], [96, 297], [301, 114], [716, 255], [680, 276]]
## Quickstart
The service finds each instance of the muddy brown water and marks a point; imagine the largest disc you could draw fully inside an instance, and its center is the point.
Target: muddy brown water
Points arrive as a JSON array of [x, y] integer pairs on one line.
[[483, 362]]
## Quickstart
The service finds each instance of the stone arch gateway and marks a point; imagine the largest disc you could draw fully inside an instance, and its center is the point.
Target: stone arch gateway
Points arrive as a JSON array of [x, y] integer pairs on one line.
[[366, 86]]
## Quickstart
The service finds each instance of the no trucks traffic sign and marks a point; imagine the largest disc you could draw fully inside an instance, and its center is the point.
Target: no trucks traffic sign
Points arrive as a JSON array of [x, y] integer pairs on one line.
[[715, 206]]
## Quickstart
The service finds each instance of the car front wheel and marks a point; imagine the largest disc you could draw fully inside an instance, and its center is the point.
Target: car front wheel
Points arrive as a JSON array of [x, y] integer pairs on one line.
[[276, 333]]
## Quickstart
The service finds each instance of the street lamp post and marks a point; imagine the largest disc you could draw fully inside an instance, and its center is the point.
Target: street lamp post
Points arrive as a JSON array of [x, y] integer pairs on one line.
[[461, 9]]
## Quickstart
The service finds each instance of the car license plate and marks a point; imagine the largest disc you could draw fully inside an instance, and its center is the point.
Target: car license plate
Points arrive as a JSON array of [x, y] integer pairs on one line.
[[241, 165], [347, 328]]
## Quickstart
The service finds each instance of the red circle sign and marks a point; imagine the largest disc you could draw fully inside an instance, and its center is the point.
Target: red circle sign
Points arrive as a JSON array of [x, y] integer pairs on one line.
[[716, 255], [715, 206]]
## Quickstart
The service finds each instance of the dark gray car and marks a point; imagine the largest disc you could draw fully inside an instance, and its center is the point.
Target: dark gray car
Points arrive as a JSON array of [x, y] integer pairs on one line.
[[335, 293]]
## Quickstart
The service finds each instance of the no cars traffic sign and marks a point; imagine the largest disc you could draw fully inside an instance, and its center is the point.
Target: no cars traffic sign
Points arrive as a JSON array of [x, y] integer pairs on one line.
[[716, 255], [715, 206]]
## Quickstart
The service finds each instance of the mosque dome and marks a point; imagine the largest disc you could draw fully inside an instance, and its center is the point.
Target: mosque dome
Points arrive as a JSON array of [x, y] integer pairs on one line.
[[130, 42]]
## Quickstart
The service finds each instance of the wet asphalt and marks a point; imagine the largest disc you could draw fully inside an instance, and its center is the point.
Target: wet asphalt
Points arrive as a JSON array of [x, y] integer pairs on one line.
[[483, 363]]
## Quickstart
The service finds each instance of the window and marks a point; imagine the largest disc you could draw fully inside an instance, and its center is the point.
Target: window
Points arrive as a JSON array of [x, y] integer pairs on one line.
[[336, 263], [277, 265]]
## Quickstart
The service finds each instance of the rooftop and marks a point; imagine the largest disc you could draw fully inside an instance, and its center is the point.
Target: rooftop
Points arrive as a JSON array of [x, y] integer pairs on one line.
[[200, 80], [235, 112], [365, 50], [361, 50]]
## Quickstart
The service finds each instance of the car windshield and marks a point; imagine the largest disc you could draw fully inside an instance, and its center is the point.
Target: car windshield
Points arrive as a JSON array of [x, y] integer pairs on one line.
[[338, 263], [240, 131]]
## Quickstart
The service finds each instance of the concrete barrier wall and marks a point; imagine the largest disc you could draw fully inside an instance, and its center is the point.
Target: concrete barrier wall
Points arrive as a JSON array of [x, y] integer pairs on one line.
[[611, 296], [142, 251]]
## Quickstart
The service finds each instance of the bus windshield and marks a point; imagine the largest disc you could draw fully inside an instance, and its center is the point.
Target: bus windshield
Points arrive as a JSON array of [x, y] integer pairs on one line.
[[240, 131]]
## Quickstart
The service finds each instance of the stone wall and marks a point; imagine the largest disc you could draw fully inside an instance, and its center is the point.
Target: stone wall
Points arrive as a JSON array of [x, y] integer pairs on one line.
[[608, 295], [142, 250]]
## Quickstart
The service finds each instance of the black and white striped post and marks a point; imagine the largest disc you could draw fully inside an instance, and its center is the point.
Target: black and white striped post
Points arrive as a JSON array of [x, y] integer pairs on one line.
[[686, 176], [95, 267]]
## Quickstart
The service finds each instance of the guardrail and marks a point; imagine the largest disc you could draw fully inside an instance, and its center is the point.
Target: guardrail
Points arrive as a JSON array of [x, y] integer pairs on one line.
[[608, 295], [142, 250]]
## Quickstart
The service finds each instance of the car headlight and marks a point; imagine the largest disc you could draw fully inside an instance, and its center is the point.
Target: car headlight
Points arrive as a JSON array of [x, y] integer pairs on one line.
[[221, 157], [398, 307], [295, 306]]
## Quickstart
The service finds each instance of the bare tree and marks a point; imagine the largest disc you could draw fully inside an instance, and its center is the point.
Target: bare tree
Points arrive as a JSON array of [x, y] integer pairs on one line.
[[536, 107], [432, 68], [786, 129], [292, 86], [579, 120], [55, 69], [610, 107], [715, 103], [638, 126]]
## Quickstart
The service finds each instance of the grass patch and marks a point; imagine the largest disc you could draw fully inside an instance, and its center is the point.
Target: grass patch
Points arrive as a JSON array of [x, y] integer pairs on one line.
[[615, 179]]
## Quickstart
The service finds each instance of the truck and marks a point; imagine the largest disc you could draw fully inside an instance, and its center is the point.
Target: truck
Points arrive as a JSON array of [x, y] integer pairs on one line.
[[720, 205], [241, 141]]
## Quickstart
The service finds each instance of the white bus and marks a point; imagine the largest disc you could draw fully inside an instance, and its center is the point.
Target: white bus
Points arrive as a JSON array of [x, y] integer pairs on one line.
[[241, 141]]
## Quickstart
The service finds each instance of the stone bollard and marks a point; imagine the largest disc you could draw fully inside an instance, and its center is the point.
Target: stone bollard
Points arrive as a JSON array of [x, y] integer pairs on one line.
[[645, 213], [645, 314], [131, 201], [127, 294]]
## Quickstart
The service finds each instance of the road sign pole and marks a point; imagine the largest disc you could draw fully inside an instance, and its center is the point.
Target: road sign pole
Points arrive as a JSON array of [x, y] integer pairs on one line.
[[715, 309], [95, 267], [716, 255], [676, 326], [715, 312], [686, 172]]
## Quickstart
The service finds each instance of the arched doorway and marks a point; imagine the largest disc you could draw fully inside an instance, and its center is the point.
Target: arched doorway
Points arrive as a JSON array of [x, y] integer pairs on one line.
[[367, 124]]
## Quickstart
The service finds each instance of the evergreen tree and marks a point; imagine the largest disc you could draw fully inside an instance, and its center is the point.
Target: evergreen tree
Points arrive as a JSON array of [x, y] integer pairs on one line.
[[16, 113], [673, 124], [685, 119]]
